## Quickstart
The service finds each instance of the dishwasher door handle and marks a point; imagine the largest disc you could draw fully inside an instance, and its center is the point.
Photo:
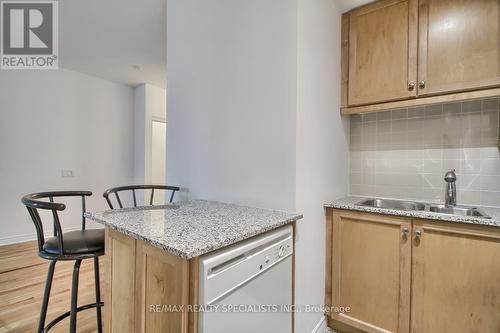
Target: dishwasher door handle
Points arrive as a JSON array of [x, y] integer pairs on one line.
[[226, 265]]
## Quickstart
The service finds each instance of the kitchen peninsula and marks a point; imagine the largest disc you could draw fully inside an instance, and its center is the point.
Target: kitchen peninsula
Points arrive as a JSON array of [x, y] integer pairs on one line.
[[152, 257]]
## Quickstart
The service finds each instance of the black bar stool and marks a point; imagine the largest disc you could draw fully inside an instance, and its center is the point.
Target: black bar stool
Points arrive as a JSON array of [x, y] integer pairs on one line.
[[74, 245], [133, 189]]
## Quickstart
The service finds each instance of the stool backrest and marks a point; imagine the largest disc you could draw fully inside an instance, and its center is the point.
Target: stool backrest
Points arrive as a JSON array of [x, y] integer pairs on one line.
[[36, 201], [133, 188]]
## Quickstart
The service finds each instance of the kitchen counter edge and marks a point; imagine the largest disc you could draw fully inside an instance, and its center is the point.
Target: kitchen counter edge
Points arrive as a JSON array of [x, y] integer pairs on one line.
[[349, 203]]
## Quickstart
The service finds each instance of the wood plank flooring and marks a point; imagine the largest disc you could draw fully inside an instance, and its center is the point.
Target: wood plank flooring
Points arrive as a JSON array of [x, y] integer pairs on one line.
[[22, 282]]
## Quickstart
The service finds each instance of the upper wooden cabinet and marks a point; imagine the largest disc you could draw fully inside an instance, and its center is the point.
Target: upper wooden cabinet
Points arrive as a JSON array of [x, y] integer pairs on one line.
[[458, 41], [383, 52], [400, 53]]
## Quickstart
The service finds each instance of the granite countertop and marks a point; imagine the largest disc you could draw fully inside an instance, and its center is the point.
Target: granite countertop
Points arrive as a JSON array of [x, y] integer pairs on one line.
[[189, 229], [349, 203]]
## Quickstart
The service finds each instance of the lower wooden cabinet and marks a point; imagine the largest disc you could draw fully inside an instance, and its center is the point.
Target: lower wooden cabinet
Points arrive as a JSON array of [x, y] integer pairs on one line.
[[139, 276], [455, 278], [370, 271], [402, 275]]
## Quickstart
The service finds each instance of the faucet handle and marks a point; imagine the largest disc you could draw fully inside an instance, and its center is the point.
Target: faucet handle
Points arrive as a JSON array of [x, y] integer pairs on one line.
[[450, 176]]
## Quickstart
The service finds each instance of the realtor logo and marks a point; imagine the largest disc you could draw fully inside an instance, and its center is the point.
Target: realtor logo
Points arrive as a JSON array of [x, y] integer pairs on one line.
[[29, 34]]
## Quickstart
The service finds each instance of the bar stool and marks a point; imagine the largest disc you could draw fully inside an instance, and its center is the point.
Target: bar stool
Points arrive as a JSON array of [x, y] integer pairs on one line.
[[74, 245], [133, 189]]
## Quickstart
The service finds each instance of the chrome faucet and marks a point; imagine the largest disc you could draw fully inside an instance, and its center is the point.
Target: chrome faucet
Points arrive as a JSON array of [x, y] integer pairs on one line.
[[450, 195]]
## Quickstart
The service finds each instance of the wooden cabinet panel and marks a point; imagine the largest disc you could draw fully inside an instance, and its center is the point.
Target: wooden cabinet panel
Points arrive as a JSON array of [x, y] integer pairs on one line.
[[119, 283], [382, 52], [458, 45], [370, 271], [139, 276], [455, 279], [165, 281]]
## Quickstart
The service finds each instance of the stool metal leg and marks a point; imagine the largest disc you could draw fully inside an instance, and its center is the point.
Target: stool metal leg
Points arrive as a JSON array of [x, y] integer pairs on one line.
[[98, 294], [46, 294], [74, 296]]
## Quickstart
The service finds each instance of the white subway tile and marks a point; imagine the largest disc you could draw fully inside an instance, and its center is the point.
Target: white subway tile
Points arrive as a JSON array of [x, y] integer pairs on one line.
[[433, 154], [433, 194], [468, 182], [469, 197], [405, 153], [452, 165], [491, 199], [431, 180], [490, 152], [468, 167], [356, 178], [369, 178], [415, 166], [471, 153], [490, 183], [490, 167], [433, 166], [453, 154]]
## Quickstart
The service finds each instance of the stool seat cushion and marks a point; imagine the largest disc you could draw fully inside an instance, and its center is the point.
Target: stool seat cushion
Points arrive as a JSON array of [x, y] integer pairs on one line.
[[77, 242]]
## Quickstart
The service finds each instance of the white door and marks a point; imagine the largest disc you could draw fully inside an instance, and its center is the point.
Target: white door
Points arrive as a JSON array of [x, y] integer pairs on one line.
[[158, 154]]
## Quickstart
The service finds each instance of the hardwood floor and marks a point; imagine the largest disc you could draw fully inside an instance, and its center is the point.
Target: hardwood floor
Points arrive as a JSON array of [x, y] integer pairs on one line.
[[22, 282]]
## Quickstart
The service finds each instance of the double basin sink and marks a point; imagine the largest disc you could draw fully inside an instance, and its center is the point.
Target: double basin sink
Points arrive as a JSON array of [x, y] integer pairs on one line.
[[418, 206]]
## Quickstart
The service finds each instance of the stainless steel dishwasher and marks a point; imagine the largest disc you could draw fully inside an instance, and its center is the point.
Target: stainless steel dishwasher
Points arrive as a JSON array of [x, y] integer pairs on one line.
[[247, 287]]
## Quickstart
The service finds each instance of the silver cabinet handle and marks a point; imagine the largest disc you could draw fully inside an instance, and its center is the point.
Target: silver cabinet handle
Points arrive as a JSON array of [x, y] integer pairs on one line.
[[411, 86], [406, 232], [418, 235], [421, 84]]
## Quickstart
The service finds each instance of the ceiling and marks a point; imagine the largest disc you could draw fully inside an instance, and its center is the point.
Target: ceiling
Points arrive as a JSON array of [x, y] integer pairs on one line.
[[122, 40], [118, 40], [346, 5]]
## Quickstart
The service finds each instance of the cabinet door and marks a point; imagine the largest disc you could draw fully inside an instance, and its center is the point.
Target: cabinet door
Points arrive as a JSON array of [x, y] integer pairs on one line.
[[455, 279], [383, 52], [370, 271], [162, 279], [139, 277], [458, 45]]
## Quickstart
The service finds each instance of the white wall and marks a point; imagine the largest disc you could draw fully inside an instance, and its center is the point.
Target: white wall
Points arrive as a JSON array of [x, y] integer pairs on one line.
[[322, 146], [231, 99], [253, 108], [54, 120]]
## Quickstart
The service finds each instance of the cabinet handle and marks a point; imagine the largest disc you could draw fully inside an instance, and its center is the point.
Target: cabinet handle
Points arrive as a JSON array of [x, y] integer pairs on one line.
[[418, 235], [406, 232], [411, 86], [421, 84]]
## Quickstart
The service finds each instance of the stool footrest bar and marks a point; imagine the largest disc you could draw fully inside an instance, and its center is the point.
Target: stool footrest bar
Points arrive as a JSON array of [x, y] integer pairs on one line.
[[66, 314]]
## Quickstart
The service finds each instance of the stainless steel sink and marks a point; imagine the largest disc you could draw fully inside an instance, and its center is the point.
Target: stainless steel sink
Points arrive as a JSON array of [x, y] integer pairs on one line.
[[418, 206], [458, 210], [392, 204]]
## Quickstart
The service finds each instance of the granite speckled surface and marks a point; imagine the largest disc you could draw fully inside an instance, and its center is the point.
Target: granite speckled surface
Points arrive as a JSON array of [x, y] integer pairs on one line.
[[192, 228], [350, 204]]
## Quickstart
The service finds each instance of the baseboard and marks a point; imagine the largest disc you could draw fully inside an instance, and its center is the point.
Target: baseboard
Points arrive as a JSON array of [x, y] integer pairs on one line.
[[320, 326], [28, 237], [17, 239]]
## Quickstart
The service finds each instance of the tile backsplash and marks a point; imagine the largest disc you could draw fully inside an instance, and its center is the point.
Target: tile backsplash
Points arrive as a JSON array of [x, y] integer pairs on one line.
[[405, 153]]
